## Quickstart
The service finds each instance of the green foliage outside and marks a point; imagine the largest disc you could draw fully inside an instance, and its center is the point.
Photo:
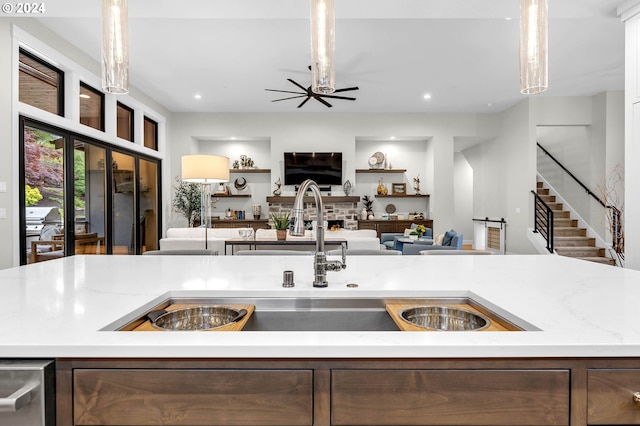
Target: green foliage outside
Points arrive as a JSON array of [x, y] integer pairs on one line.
[[31, 196]]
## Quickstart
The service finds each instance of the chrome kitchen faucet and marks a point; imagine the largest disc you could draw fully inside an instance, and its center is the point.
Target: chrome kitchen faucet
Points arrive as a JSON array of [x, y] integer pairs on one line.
[[320, 263]]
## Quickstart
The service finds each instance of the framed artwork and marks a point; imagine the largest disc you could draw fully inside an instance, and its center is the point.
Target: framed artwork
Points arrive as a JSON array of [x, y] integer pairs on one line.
[[398, 189]]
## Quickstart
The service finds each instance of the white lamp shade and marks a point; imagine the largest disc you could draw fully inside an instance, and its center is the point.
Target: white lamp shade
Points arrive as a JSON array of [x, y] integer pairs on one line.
[[205, 168]]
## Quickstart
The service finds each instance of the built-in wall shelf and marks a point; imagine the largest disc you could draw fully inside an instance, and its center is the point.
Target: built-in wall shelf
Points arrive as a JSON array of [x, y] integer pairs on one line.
[[380, 170], [403, 196], [325, 199], [231, 195], [249, 170]]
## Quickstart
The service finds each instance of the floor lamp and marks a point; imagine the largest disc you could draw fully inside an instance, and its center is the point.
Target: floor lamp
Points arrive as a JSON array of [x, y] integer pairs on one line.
[[205, 170]]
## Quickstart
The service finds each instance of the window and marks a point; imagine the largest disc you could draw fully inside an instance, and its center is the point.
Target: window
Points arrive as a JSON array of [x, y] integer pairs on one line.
[[91, 107], [150, 133], [40, 84], [125, 122]]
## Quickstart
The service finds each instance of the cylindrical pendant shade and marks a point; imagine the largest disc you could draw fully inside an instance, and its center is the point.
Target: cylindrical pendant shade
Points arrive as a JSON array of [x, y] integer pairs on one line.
[[322, 46], [205, 168], [533, 47], [115, 46]]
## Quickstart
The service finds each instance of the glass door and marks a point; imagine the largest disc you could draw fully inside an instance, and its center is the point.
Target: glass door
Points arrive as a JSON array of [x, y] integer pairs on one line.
[[44, 195], [124, 223], [89, 190], [149, 202]]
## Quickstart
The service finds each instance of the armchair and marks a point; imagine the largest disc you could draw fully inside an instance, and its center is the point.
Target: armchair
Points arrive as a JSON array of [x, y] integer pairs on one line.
[[390, 239], [454, 244]]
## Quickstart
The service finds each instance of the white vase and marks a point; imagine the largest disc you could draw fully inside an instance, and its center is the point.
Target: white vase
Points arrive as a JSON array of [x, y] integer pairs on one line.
[[363, 214]]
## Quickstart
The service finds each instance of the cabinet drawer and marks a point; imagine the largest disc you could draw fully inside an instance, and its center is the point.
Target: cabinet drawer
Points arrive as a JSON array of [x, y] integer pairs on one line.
[[450, 397], [192, 397], [610, 397]]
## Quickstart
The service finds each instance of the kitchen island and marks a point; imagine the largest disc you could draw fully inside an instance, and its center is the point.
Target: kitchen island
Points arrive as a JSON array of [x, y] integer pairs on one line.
[[577, 362]]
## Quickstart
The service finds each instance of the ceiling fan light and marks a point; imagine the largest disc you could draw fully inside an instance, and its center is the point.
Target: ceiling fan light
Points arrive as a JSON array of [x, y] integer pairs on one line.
[[115, 46], [533, 47], [322, 46]]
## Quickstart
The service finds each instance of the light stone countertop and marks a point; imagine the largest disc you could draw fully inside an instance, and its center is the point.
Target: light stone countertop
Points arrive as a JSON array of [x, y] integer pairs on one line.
[[57, 309]]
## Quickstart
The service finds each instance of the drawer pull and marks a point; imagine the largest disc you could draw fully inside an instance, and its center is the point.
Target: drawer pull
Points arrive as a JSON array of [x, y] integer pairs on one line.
[[19, 398], [636, 397]]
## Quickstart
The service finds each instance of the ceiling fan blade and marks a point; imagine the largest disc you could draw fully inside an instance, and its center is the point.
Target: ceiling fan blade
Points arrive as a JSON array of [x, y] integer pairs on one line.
[[346, 89], [286, 91], [339, 97], [304, 102], [322, 101], [285, 99], [297, 85]]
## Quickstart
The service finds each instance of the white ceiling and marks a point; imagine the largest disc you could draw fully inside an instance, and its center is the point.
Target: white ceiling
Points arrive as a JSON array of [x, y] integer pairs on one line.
[[463, 52]]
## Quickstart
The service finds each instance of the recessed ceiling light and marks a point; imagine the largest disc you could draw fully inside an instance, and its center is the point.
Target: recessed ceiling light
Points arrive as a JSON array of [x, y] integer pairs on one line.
[[392, 138], [198, 96], [427, 96], [507, 19], [490, 105]]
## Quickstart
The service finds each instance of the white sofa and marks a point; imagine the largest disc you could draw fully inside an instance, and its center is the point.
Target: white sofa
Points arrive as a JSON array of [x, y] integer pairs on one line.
[[193, 238], [361, 239]]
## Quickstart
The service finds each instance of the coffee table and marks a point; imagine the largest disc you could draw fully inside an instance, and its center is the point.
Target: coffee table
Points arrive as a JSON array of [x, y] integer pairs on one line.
[[251, 243]]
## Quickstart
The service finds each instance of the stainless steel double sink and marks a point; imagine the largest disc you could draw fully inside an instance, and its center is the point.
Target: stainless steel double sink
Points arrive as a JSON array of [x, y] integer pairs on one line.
[[340, 314]]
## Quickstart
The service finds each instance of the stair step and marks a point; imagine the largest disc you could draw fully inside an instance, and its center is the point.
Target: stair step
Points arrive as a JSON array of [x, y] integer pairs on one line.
[[542, 191], [555, 206], [569, 231], [548, 198], [561, 214], [561, 241], [602, 259], [580, 251], [564, 222]]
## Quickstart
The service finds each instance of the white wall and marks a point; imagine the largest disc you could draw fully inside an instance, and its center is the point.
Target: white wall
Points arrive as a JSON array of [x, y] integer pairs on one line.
[[427, 137], [463, 196], [590, 145], [8, 161], [504, 175]]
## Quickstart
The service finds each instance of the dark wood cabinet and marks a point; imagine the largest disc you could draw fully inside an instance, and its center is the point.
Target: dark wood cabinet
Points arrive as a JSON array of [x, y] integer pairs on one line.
[[385, 226], [192, 397], [325, 392], [450, 397], [611, 397], [249, 223]]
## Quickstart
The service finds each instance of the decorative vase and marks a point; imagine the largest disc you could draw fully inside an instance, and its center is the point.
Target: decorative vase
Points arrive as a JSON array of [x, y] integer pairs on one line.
[[257, 211], [347, 187], [282, 234], [363, 214], [382, 188]]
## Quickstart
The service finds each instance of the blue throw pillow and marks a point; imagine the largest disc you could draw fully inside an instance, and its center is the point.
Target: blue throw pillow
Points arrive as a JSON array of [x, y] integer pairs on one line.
[[448, 237]]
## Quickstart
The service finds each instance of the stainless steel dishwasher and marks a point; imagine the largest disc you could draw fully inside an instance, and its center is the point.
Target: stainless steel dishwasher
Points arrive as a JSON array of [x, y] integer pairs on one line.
[[27, 393]]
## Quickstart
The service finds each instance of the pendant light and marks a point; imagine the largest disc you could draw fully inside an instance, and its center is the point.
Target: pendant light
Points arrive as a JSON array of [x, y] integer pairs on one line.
[[533, 46], [322, 46], [115, 46]]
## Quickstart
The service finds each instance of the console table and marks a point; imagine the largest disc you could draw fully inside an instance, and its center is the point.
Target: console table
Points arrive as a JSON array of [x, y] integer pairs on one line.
[[394, 226]]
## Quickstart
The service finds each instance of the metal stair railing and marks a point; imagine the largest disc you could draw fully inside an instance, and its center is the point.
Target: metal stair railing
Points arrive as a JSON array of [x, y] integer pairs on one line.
[[616, 219], [543, 220]]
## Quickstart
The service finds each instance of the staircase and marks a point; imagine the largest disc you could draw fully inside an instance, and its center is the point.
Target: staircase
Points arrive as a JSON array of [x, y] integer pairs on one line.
[[568, 239]]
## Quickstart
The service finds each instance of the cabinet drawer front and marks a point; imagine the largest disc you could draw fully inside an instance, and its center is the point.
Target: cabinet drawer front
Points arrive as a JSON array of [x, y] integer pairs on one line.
[[193, 397], [450, 397], [610, 397]]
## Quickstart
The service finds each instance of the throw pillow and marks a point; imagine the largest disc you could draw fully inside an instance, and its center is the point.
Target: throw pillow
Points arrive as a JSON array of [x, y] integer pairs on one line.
[[437, 241], [407, 232], [448, 237]]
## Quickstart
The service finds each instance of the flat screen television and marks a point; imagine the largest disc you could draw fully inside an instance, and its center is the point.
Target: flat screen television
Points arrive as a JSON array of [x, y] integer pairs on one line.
[[325, 168]]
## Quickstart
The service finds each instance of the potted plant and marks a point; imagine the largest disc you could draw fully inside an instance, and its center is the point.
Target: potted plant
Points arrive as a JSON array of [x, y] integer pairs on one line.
[[187, 200], [281, 222]]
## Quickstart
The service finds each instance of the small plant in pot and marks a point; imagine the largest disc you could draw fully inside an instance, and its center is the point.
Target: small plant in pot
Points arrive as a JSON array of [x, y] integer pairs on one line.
[[281, 222]]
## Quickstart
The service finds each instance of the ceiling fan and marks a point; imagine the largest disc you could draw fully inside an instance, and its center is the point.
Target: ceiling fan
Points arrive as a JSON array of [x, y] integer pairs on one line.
[[307, 93]]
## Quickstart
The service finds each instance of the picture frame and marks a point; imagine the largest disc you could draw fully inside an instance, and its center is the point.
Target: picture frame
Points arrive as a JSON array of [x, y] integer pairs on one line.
[[398, 189]]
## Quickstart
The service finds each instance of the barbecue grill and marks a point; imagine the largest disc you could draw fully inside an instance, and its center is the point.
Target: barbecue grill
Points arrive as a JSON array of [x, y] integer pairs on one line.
[[38, 217]]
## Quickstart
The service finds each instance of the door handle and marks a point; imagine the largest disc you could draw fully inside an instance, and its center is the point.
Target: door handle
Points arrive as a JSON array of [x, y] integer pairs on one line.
[[18, 399]]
